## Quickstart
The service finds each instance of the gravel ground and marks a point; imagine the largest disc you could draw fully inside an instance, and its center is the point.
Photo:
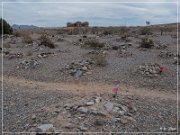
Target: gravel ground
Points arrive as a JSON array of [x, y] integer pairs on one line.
[[118, 69], [21, 104]]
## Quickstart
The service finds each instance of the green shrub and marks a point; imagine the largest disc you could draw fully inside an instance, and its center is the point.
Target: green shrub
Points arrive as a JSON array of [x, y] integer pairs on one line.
[[44, 40], [7, 29], [147, 43], [94, 44], [99, 59]]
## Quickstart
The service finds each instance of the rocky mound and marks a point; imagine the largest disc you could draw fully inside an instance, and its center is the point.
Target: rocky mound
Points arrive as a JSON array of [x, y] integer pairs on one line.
[[149, 69]]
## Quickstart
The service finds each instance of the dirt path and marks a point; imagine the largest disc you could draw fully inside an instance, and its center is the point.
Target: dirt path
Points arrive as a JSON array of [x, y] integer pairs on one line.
[[88, 88]]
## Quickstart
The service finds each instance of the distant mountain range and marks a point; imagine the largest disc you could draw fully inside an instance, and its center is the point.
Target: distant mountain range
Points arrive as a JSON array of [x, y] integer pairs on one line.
[[16, 26]]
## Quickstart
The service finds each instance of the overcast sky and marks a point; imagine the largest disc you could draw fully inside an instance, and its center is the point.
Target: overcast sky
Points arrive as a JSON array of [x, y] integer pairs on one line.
[[97, 14]]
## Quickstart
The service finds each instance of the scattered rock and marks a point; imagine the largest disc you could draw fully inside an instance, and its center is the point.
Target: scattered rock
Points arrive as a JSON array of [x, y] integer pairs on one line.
[[44, 55], [90, 103], [82, 110], [28, 64], [160, 45], [45, 128], [166, 54], [13, 55], [83, 128], [78, 69], [99, 122], [170, 129]]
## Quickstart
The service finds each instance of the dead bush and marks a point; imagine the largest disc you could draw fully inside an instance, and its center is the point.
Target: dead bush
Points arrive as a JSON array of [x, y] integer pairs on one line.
[[94, 44], [44, 40], [99, 59], [147, 43]]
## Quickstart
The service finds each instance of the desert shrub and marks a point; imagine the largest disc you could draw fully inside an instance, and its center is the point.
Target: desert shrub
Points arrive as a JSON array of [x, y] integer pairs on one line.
[[7, 29], [94, 44], [99, 59], [107, 32], [17, 33], [124, 33], [124, 36], [145, 31], [6, 45], [44, 40], [147, 43], [27, 39]]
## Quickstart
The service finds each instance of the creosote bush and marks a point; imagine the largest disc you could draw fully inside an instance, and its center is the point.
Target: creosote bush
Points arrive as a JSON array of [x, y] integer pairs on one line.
[[145, 31], [17, 33], [107, 32], [27, 39], [94, 44], [99, 59], [147, 43], [44, 40]]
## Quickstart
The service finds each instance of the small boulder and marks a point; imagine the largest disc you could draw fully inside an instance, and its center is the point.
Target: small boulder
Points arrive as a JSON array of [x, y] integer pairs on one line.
[[45, 128], [109, 106]]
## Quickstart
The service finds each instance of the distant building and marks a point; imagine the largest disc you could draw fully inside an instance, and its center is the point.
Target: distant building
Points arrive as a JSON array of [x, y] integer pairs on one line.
[[78, 24], [78, 27]]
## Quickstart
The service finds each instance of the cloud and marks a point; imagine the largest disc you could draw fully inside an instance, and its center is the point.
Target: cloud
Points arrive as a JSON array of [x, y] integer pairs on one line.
[[57, 14]]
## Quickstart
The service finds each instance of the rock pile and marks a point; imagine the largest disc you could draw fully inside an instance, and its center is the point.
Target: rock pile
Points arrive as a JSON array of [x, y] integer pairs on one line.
[[160, 45], [97, 106], [77, 69], [166, 54], [149, 69], [122, 51], [26, 64], [13, 55]]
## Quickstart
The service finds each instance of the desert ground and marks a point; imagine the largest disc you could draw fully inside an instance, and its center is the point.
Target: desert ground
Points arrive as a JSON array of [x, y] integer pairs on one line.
[[67, 88]]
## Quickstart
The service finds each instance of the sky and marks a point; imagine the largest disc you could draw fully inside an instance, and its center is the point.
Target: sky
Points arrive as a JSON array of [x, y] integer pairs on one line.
[[56, 13]]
